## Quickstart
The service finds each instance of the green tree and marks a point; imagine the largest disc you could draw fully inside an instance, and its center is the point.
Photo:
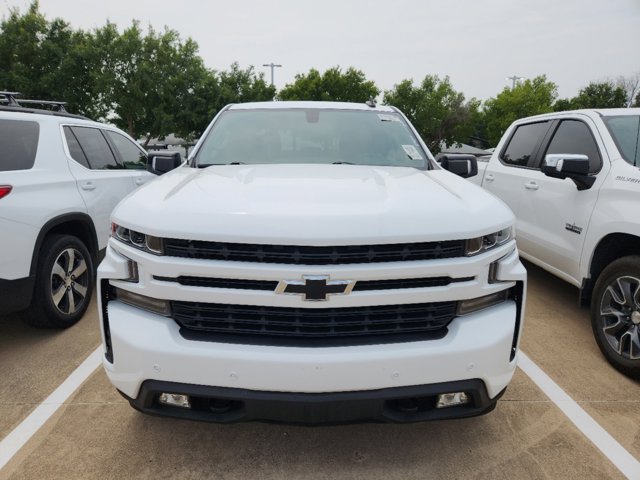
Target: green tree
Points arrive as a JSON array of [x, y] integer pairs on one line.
[[531, 97], [333, 85], [436, 109], [243, 85], [595, 95], [150, 80], [48, 60]]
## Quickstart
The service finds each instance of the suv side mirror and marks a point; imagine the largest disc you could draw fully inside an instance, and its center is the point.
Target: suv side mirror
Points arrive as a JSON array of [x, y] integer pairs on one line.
[[163, 162], [461, 164], [573, 166]]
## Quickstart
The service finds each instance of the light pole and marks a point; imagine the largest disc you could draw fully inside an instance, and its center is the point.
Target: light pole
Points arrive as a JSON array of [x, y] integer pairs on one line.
[[514, 79], [272, 65]]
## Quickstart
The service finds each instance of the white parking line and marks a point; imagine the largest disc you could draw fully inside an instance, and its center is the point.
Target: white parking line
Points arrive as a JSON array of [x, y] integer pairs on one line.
[[616, 453], [12, 443]]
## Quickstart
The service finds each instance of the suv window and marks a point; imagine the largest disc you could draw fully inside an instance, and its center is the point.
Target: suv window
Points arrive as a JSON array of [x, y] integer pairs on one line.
[[96, 148], [521, 146], [131, 156], [574, 136], [74, 148], [18, 144]]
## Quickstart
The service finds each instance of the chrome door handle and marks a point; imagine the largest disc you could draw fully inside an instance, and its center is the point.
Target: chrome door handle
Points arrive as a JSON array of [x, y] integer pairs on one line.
[[531, 186], [489, 177], [88, 186], [139, 181]]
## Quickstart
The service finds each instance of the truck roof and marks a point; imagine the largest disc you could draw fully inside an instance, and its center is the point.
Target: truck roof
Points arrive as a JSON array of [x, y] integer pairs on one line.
[[597, 112], [310, 105]]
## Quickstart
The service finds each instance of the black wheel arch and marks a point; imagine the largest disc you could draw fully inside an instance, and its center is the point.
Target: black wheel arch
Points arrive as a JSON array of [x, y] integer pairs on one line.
[[610, 248], [77, 224]]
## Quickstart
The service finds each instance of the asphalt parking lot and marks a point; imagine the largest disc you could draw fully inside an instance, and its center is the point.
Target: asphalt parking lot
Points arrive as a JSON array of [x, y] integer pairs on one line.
[[95, 434]]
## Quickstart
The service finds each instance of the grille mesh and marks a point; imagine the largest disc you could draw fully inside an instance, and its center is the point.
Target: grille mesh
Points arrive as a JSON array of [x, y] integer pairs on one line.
[[309, 255], [313, 324]]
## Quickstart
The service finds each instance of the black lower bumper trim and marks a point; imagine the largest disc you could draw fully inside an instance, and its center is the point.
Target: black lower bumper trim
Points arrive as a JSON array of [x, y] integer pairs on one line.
[[15, 295], [396, 405]]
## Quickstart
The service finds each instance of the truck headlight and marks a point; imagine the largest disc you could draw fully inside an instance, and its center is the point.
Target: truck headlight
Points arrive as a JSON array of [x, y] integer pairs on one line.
[[148, 243], [486, 242]]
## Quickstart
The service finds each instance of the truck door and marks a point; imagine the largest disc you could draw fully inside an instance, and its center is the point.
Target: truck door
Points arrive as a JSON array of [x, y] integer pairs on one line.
[[556, 214], [508, 173]]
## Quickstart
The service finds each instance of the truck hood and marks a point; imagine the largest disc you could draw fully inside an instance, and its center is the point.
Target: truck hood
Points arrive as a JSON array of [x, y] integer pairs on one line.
[[312, 205]]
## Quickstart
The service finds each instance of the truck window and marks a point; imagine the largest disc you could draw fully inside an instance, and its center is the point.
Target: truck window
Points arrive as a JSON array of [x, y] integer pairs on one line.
[[522, 144], [317, 136], [574, 136], [18, 144], [625, 131]]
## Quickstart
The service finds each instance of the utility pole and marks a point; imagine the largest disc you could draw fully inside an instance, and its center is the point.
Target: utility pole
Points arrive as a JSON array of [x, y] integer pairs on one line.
[[514, 79], [272, 65]]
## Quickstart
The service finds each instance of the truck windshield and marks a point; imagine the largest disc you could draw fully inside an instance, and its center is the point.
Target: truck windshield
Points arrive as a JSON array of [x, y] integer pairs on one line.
[[317, 136], [625, 130]]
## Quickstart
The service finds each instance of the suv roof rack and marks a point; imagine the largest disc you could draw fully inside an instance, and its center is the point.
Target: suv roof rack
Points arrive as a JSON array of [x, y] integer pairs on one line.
[[10, 98], [10, 101]]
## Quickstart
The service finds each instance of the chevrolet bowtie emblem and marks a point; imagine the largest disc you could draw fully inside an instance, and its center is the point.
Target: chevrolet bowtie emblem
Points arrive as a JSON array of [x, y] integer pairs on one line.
[[315, 287]]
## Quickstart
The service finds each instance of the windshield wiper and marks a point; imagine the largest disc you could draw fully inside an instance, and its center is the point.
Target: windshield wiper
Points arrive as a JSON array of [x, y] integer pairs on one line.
[[205, 165], [343, 163]]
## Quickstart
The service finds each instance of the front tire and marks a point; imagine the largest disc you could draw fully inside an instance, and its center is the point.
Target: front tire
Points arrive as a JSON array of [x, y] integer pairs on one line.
[[64, 283], [615, 314]]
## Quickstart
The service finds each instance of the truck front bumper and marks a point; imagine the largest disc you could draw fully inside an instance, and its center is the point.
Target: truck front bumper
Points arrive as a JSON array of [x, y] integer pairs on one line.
[[308, 385], [396, 405]]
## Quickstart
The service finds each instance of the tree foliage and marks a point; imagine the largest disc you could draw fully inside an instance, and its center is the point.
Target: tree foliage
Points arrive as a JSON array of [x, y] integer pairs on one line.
[[148, 83], [48, 60], [531, 97], [436, 109], [595, 95], [332, 85]]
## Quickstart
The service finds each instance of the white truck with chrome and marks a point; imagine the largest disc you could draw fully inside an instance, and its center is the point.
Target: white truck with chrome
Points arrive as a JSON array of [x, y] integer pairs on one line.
[[311, 263], [573, 181]]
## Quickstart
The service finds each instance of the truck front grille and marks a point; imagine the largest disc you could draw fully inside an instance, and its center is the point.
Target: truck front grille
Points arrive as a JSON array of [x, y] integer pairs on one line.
[[310, 255], [312, 326], [361, 285]]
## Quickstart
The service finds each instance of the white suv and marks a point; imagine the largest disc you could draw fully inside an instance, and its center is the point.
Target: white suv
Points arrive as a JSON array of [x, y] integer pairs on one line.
[[60, 177]]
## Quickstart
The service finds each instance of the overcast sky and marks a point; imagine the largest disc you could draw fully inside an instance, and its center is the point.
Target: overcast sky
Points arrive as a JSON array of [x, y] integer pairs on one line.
[[476, 43]]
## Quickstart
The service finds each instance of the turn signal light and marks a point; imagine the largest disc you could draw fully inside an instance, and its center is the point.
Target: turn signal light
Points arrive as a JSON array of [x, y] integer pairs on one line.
[[4, 190]]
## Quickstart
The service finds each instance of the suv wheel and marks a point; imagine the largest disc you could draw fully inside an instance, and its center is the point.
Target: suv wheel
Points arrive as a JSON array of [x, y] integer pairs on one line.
[[64, 283], [615, 314]]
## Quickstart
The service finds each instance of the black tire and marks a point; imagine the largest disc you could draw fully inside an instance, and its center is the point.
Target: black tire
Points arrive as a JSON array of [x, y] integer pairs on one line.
[[64, 283], [615, 314]]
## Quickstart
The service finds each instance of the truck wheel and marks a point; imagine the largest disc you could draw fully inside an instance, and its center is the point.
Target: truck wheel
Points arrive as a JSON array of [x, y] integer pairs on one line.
[[64, 283], [615, 314]]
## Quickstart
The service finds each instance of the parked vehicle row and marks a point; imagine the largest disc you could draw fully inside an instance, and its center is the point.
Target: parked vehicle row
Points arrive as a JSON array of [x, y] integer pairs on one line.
[[312, 262]]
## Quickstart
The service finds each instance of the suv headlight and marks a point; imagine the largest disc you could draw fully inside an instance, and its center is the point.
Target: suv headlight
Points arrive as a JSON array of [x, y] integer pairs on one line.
[[148, 243], [486, 242]]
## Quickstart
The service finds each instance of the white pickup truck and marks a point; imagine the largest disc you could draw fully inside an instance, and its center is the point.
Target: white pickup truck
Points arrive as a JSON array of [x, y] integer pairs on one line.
[[311, 263], [573, 181]]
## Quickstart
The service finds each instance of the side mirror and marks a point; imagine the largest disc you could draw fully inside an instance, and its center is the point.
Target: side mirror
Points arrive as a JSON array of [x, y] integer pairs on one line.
[[461, 164], [573, 166], [163, 162]]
